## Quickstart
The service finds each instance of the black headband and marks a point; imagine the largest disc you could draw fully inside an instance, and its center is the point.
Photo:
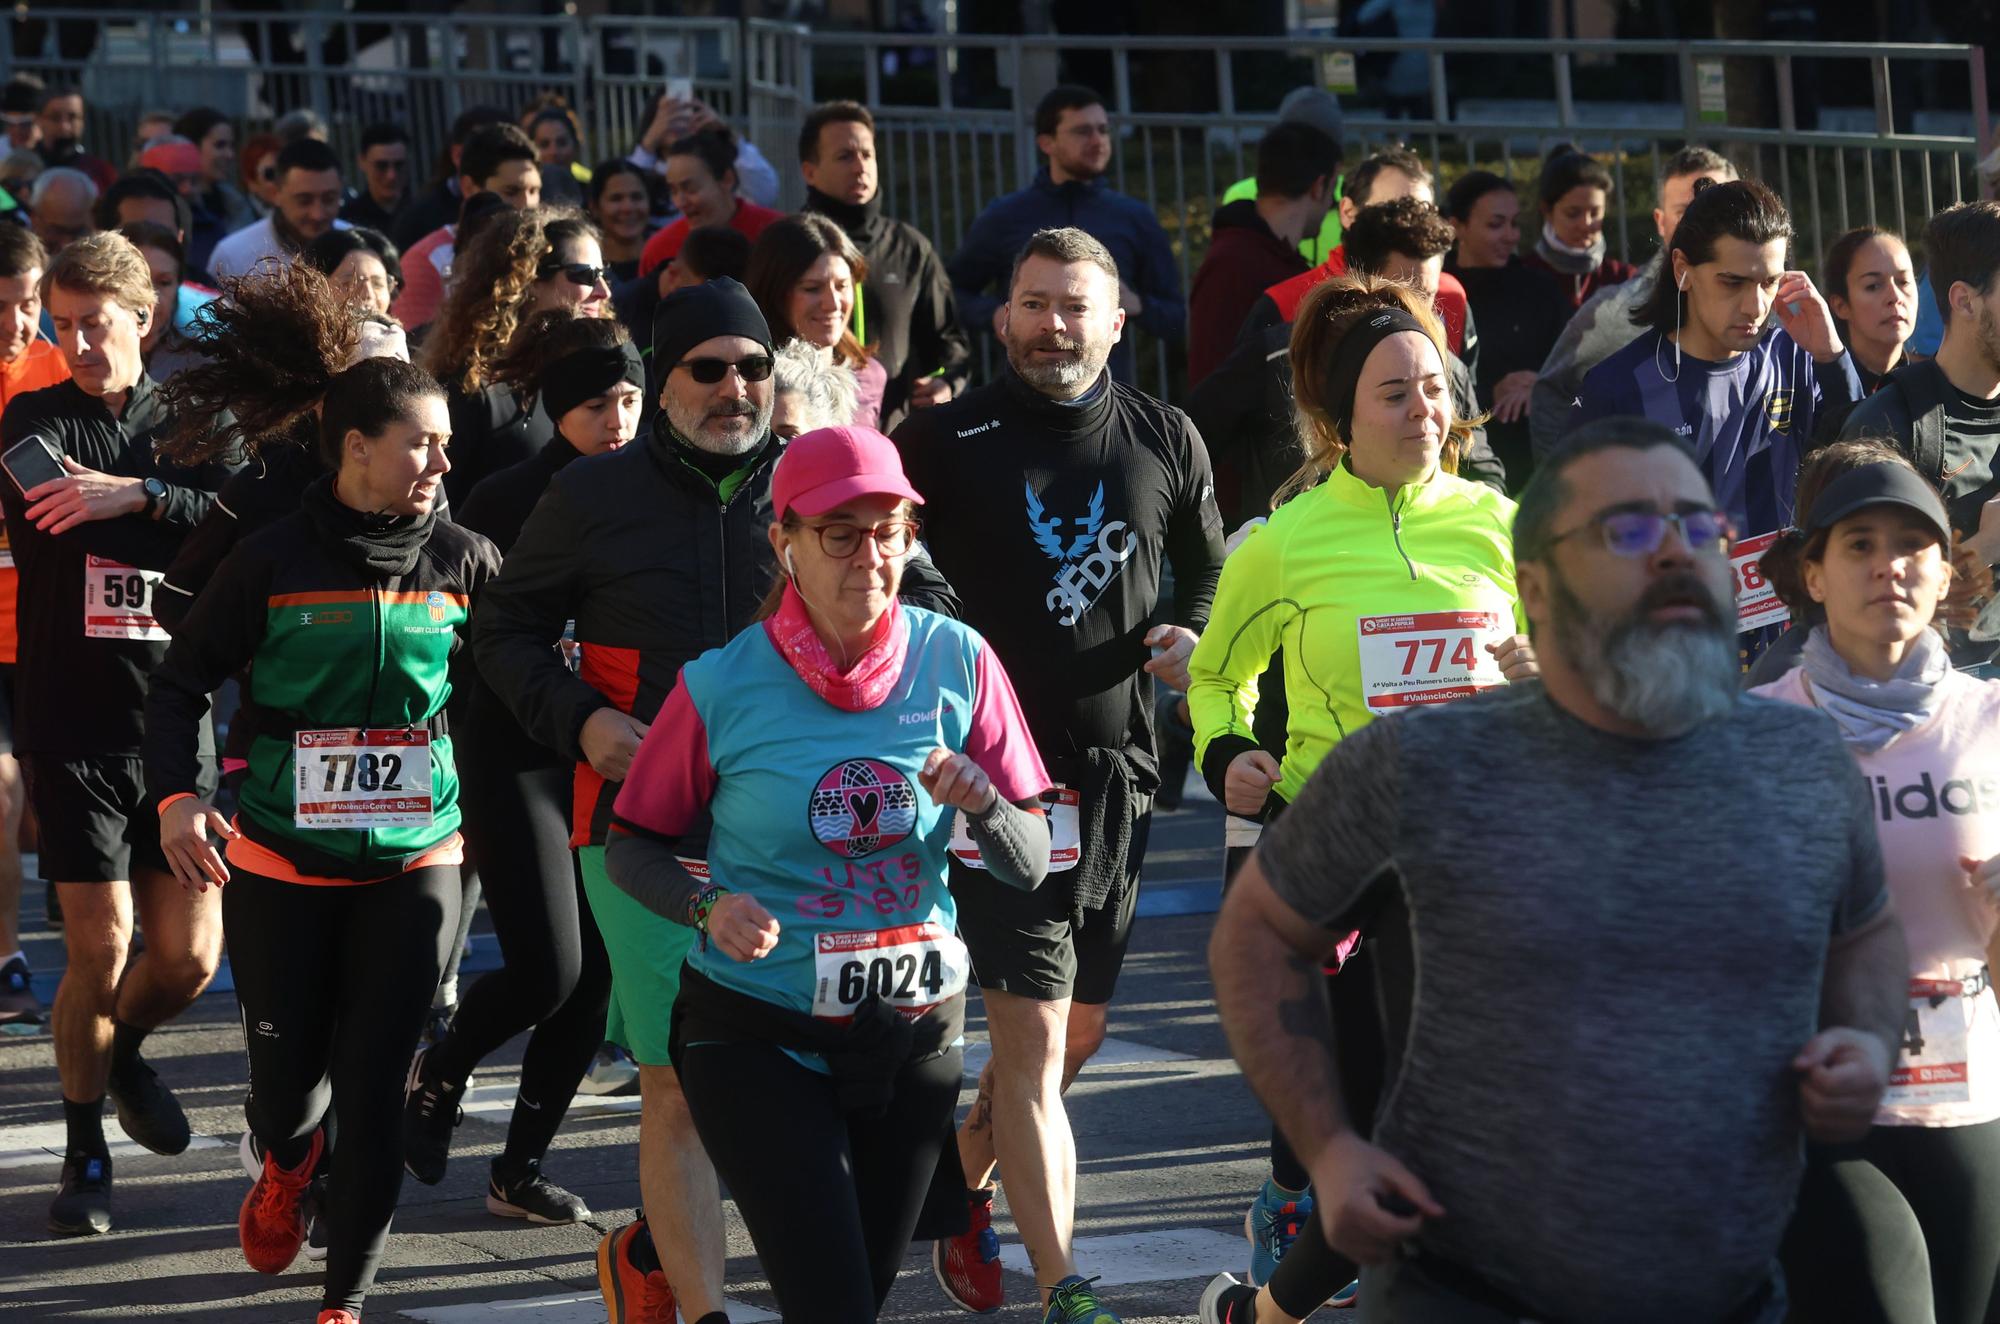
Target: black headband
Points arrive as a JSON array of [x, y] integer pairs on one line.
[[587, 374], [1344, 374], [1884, 484]]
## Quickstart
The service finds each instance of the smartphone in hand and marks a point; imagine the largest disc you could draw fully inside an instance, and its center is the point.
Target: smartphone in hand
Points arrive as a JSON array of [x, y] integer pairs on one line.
[[32, 461]]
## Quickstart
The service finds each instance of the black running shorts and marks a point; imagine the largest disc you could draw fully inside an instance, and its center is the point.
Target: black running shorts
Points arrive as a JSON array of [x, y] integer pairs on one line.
[[97, 822], [1023, 942]]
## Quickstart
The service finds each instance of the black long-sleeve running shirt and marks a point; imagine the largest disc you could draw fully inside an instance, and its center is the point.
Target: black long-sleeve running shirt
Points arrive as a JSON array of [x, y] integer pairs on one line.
[[1055, 522], [81, 683]]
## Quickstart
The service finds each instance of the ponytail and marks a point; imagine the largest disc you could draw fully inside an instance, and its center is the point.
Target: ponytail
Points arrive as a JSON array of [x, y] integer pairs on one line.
[[272, 345]]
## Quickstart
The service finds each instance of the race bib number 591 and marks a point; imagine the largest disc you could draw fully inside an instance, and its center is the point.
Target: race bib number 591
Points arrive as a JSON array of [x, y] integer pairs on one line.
[[118, 601]]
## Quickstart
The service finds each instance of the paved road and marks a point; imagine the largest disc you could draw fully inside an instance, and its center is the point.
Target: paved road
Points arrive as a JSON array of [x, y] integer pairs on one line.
[[1169, 1141]]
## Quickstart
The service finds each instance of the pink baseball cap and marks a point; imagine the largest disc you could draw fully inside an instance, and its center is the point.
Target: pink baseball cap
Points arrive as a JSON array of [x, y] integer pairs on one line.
[[821, 469], [172, 159]]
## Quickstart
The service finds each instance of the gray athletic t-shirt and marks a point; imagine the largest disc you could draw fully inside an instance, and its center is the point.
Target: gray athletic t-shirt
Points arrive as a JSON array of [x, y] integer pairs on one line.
[[1600, 957]]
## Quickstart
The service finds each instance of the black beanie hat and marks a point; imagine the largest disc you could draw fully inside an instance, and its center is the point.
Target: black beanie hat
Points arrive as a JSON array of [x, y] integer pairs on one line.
[[688, 316]]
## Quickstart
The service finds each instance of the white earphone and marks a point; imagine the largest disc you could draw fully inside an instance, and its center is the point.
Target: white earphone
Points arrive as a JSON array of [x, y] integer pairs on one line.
[[790, 569]]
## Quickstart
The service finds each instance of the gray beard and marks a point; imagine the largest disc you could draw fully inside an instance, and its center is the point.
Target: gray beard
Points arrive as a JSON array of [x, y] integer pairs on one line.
[[1063, 378], [1667, 680], [688, 425]]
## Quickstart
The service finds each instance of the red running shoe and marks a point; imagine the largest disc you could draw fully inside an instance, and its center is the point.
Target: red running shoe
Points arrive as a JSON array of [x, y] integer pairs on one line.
[[632, 1295], [968, 1265], [272, 1224], [338, 1317]]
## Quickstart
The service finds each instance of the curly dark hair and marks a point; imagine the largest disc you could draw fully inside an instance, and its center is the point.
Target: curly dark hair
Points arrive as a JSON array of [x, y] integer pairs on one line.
[[492, 281], [271, 344]]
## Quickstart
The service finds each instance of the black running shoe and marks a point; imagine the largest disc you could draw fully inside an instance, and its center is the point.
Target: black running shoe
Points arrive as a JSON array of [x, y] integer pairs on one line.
[[148, 1110], [20, 1010], [430, 1112], [532, 1196], [82, 1207]]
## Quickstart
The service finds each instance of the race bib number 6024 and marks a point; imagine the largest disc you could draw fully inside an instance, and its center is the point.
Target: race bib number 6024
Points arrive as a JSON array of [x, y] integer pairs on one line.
[[913, 968]]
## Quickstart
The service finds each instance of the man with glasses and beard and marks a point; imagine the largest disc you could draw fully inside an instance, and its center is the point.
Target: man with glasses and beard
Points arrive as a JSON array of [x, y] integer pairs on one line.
[[1056, 498], [658, 552], [1652, 929]]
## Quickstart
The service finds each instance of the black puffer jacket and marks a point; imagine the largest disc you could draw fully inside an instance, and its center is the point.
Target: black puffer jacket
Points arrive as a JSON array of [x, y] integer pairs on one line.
[[656, 563]]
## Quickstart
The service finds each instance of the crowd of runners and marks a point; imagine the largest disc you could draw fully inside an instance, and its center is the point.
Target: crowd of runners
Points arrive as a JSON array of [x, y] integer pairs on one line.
[[1590, 653]]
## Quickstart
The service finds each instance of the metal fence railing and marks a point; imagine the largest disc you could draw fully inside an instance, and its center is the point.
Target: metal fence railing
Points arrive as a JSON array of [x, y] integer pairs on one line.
[[954, 110]]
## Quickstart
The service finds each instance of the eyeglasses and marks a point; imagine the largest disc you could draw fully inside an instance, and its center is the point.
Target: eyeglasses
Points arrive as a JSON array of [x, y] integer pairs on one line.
[[710, 371], [844, 540], [577, 273], [1634, 533]]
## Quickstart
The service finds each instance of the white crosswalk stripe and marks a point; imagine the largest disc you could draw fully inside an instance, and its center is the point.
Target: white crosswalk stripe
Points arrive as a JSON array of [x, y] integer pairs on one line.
[[1144, 1257], [571, 1309], [42, 1143]]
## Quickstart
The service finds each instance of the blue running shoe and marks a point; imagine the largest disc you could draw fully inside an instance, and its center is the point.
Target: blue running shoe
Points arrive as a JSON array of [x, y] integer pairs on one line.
[[1273, 1224], [1073, 1302]]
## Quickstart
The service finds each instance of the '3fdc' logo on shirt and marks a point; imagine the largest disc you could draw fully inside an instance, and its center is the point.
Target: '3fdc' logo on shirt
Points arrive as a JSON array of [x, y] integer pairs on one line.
[[1086, 550]]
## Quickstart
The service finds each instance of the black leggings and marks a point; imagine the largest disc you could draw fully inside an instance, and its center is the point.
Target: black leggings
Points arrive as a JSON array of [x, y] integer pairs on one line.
[[773, 1130], [556, 977], [1900, 1227], [334, 983], [1312, 1271]]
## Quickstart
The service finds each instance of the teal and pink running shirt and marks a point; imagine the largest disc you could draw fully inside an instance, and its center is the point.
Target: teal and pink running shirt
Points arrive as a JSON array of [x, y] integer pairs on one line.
[[817, 812]]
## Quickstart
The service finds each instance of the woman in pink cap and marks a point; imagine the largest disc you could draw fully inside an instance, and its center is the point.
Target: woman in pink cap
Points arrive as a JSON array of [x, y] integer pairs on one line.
[[818, 1028]]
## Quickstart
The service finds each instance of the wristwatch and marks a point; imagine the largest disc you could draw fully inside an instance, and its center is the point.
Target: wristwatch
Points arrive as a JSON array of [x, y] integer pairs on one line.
[[156, 492]]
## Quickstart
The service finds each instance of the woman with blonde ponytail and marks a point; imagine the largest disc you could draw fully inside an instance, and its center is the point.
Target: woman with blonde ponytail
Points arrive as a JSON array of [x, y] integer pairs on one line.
[[1388, 582]]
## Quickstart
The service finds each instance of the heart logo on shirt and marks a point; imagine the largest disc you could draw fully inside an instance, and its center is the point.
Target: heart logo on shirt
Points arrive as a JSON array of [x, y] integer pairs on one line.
[[860, 806], [866, 805]]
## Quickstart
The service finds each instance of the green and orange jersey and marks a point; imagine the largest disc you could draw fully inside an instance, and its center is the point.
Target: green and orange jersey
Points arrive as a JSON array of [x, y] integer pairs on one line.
[[329, 646]]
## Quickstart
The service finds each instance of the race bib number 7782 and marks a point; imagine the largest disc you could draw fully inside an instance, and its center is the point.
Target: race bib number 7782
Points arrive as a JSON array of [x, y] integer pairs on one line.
[[362, 779]]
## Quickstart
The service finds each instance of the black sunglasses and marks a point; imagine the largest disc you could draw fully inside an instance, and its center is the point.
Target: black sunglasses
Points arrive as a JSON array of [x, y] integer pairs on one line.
[[709, 371], [578, 273]]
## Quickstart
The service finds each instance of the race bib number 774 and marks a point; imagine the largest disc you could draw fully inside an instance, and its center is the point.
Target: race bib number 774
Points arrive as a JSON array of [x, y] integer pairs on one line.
[[1428, 657]]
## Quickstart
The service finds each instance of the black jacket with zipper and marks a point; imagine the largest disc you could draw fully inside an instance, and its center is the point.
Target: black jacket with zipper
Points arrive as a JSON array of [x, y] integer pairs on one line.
[[328, 643], [78, 695], [656, 563], [909, 314]]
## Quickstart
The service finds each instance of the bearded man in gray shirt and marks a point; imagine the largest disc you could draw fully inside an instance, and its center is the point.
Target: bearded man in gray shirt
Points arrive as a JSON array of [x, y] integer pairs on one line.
[[1632, 938]]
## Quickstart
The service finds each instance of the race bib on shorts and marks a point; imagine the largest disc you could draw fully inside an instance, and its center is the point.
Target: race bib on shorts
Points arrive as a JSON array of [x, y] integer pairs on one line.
[[1429, 657], [1757, 603], [912, 968], [118, 601], [1065, 832], [1933, 1067], [361, 779]]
